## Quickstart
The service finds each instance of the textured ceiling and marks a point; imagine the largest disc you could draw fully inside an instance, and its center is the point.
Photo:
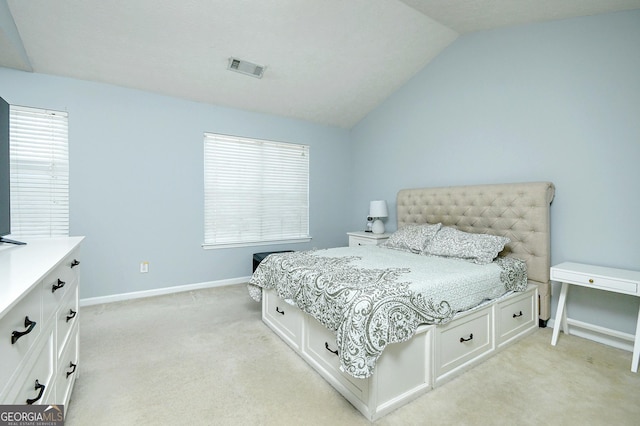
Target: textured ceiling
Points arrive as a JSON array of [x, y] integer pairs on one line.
[[328, 61]]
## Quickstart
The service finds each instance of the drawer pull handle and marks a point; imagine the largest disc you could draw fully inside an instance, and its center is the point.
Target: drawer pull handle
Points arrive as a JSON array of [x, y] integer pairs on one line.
[[18, 334], [517, 315], [60, 284], [279, 311], [37, 387], [326, 346], [72, 315], [73, 366], [462, 339], [75, 262], [590, 280]]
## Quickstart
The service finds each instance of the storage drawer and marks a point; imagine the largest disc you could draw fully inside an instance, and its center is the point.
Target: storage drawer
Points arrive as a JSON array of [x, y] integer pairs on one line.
[[57, 283], [41, 371], [596, 281], [463, 340], [282, 317], [320, 345], [360, 238], [516, 315], [11, 327], [66, 317], [67, 369], [358, 241]]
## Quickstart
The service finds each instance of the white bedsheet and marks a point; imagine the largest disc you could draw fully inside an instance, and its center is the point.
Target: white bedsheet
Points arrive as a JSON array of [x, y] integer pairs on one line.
[[371, 296]]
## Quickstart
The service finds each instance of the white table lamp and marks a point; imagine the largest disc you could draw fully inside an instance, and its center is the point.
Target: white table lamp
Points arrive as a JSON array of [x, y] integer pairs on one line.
[[378, 210]]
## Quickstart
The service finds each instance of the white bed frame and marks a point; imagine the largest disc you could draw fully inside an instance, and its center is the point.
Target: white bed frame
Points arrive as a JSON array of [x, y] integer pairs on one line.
[[436, 354]]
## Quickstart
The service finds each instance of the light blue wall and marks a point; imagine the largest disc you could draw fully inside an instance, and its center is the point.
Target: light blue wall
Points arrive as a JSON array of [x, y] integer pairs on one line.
[[136, 184], [557, 101]]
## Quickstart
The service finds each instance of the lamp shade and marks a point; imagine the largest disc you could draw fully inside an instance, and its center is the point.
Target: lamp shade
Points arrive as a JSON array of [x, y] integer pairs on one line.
[[378, 208]]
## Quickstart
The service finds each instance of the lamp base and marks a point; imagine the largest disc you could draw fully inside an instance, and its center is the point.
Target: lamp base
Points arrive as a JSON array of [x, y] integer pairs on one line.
[[378, 227]]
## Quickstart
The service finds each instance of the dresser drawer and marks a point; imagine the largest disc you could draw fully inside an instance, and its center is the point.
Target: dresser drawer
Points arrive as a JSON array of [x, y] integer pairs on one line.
[[463, 340], [67, 369], [67, 317], [516, 315], [283, 318], [594, 280], [12, 325], [41, 370], [320, 345], [56, 284]]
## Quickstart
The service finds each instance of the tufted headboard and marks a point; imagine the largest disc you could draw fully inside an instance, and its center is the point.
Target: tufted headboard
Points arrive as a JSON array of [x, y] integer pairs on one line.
[[519, 211]]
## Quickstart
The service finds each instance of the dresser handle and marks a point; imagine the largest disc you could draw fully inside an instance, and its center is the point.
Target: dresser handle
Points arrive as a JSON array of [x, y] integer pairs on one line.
[[590, 280], [71, 365], [279, 311], [38, 386], [72, 315], [75, 262], [517, 315], [57, 286], [18, 334], [326, 346], [462, 339]]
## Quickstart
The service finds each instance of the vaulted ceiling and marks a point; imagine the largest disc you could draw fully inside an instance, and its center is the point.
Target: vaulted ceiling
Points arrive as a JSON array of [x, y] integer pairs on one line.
[[327, 61]]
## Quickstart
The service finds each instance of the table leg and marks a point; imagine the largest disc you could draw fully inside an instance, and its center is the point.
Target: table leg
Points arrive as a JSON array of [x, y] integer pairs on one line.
[[636, 347], [561, 315]]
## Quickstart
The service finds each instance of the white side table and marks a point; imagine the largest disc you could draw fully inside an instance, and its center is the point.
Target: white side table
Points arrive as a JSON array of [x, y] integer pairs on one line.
[[608, 279], [361, 238]]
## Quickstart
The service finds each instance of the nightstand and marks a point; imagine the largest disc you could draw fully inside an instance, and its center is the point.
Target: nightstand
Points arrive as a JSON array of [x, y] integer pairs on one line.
[[602, 278], [361, 238]]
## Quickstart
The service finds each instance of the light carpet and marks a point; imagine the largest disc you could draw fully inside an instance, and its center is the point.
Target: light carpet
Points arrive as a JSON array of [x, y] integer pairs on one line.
[[205, 358]]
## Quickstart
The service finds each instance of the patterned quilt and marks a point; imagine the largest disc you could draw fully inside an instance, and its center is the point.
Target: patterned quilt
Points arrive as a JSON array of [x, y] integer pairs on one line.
[[372, 296]]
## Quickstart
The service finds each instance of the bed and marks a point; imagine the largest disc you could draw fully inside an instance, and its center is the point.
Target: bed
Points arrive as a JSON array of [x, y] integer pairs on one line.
[[384, 325]]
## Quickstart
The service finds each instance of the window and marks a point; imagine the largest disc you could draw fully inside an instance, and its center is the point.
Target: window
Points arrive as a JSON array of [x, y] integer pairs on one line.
[[39, 172], [255, 191]]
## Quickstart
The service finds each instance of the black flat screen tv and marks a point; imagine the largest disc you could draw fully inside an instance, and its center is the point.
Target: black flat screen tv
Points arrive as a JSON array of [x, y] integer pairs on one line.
[[5, 188]]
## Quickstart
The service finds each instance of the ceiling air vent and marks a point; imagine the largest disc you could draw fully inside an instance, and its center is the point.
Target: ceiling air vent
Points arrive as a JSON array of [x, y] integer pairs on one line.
[[245, 67]]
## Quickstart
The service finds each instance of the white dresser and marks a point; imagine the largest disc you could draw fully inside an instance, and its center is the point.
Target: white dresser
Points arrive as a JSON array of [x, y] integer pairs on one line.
[[39, 320]]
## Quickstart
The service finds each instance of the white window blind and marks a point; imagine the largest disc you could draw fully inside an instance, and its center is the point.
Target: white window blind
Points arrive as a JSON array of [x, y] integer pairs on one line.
[[39, 172], [256, 191]]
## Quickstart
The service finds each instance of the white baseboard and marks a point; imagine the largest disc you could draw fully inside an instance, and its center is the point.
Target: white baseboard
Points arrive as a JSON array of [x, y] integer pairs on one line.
[[161, 291], [598, 334]]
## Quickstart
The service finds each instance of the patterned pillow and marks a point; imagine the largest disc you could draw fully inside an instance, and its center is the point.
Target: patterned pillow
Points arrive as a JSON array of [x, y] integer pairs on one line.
[[412, 238], [478, 248]]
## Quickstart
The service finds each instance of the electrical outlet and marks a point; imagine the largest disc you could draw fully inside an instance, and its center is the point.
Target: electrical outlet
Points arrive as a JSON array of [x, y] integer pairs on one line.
[[144, 267]]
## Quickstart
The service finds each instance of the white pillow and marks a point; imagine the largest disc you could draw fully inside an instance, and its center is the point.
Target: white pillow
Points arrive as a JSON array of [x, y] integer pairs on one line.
[[412, 238], [478, 248]]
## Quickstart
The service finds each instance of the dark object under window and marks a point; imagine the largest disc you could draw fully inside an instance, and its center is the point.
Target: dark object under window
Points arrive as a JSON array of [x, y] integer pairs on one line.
[[259, 257]]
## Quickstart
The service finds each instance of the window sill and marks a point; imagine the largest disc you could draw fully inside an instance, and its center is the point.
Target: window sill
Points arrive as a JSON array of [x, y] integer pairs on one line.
[[255, 243]]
